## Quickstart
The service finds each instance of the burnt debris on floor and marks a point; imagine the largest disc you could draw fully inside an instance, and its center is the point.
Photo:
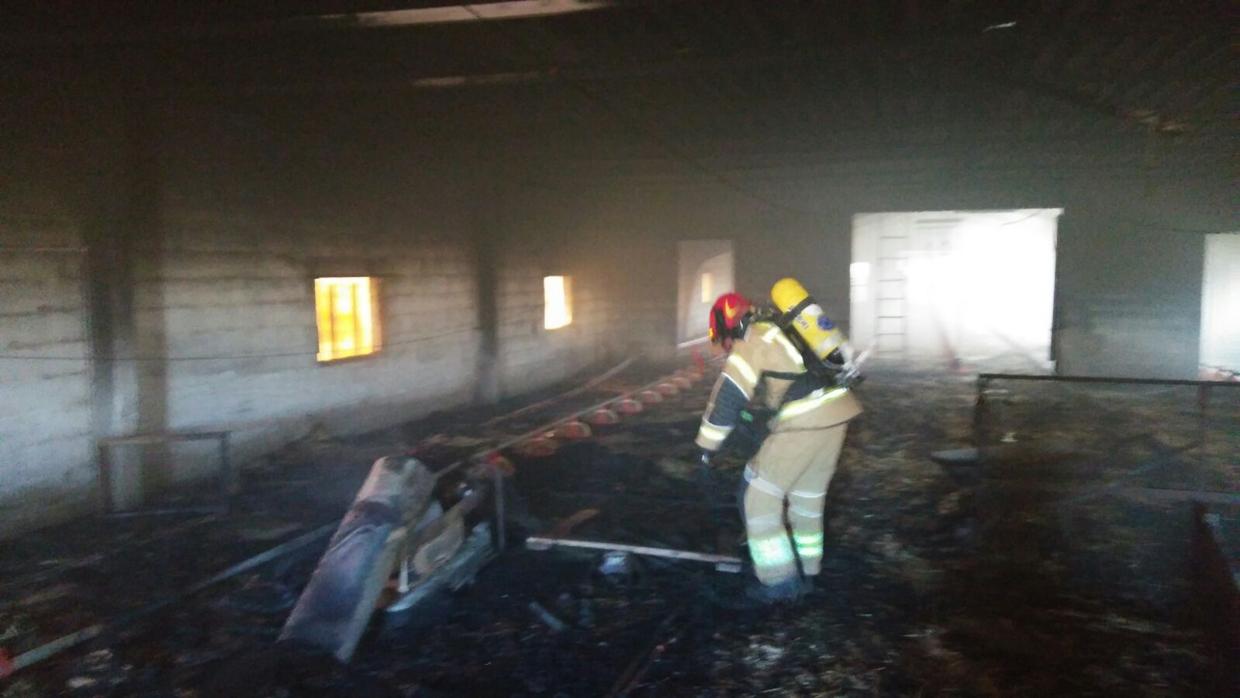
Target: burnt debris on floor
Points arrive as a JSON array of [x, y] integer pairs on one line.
[[1039, 565]]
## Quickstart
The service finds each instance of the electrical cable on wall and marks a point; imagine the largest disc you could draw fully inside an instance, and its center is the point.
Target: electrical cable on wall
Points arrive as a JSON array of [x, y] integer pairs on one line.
[[226, 357]]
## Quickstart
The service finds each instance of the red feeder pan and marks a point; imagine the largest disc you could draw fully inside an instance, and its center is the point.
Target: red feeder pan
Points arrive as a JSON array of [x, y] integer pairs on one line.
[[502, 464], [538, 447], [628, 406], [603, 417], [573, 431], [649, 397]]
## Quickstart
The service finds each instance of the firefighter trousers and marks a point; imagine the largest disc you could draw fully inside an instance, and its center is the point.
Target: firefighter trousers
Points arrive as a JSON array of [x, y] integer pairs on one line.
[[786, 489]]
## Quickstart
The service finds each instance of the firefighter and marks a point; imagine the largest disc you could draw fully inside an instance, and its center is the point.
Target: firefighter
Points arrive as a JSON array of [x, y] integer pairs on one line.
[[804, 377]]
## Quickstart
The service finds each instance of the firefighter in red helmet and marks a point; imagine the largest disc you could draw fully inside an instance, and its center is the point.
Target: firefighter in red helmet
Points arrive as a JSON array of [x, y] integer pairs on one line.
[[729, 317], [786, 482]]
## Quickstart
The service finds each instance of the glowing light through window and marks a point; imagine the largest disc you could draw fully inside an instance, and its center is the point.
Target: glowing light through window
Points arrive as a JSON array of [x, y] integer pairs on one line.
[[557, 302], [708, 287], [344, 308]]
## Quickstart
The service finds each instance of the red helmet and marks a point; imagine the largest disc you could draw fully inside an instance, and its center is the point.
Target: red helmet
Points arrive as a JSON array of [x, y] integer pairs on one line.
[[727, 317]]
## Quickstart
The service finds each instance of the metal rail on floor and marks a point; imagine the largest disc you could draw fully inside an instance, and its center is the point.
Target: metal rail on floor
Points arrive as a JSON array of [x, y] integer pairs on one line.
[[107, 476], [983, 379], [1203, 387], [480, 456], [1203, 402], [10, 665]]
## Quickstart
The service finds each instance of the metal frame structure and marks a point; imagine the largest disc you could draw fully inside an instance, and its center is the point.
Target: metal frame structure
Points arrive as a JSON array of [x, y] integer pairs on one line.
[[225, 473], [1160, 494]]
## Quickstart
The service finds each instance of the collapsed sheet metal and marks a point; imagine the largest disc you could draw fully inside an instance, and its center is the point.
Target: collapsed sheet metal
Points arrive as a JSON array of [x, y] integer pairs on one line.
[[337, 603]]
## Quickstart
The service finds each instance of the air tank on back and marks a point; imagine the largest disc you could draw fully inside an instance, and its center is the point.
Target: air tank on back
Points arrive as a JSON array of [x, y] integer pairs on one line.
[[805, 316]]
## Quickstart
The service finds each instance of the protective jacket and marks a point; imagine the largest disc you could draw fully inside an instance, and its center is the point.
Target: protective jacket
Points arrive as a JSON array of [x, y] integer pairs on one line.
[[787, 479], [766, 358]]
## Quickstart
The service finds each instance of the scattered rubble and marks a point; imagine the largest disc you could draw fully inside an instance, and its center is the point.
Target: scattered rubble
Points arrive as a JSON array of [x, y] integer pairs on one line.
[[555, 624], [987, 575]]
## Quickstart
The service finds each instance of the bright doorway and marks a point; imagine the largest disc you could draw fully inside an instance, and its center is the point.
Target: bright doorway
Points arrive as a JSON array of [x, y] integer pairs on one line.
[[960, 286], [1220, 305], [705, 272]]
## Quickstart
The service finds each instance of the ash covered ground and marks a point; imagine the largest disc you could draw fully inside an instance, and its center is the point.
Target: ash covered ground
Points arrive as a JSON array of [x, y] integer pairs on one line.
[[1036, 569]]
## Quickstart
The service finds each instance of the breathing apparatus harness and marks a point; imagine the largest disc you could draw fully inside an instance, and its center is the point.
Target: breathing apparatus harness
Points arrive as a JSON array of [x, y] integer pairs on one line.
[[827, 369], [833, 371]]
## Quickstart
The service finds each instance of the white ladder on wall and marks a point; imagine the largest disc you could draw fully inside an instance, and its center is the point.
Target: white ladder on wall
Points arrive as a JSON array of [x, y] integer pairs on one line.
[[891, 298]]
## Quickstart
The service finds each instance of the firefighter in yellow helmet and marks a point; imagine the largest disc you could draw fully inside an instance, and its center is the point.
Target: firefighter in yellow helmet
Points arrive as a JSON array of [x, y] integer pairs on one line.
[[802, 366]]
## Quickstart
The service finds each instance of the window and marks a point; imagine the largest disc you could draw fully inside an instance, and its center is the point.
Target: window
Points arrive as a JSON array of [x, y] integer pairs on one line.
[[557, 302], [708, 287], [345, 312]]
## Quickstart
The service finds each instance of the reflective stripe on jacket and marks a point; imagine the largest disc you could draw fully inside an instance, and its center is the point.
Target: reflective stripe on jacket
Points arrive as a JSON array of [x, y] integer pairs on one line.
[[765, 357]]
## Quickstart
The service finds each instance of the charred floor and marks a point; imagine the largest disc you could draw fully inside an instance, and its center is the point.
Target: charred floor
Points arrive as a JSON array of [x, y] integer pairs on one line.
[[1037, 553]]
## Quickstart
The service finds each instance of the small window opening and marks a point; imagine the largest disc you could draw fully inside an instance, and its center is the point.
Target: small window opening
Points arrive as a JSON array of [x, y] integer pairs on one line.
[[557, 302], [708, 287], [345, 313]]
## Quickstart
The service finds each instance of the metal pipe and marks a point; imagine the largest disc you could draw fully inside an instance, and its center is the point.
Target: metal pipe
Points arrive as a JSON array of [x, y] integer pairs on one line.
[[985, 378], [575, 391], [543, 543]]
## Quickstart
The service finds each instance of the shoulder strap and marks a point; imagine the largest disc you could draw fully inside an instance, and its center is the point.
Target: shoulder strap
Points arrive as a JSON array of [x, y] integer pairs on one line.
[[785, 319]]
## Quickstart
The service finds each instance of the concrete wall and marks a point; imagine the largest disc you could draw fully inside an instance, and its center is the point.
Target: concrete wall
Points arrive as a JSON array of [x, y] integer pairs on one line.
[[206, 209], [530, 355], [47, 407], [1129, 257], [46, 439], [1128, 299], [182, 299]]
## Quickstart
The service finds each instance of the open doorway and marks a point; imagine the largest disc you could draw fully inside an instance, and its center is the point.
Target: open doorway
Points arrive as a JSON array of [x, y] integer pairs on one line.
[[705, 272], [1220, 306], [960, 286]]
